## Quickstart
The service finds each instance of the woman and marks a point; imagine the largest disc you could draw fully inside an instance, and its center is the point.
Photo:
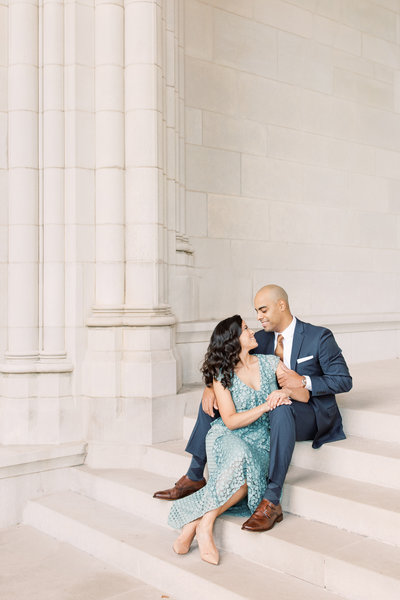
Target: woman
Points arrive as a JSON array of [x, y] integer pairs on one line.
[[238, 442]]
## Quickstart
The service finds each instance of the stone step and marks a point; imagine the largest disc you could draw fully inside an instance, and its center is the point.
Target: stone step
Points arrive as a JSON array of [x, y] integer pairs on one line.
[[357, 506], [143, 550], [36, 566], [354, 457], [315, 552]]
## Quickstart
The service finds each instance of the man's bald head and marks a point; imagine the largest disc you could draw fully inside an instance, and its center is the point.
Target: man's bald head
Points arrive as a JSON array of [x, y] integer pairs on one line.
[[272, 306], [274, 292]]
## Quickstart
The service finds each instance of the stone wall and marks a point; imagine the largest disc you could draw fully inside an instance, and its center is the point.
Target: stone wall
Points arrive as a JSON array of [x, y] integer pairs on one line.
[[293, 160]]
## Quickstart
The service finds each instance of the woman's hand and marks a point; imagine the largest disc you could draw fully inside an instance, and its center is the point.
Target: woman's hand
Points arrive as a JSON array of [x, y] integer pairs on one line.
[[277, 398]]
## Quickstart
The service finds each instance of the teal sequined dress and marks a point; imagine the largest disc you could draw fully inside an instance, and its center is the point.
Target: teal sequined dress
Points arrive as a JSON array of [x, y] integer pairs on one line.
[[234, 456]]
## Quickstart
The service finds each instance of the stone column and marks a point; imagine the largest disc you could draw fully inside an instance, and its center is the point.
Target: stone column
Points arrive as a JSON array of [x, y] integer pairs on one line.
[[135, 370], [23, 284], [52, 201], [110, 155]]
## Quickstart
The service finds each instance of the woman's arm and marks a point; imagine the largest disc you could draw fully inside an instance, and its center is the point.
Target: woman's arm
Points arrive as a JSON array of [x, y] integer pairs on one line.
[[235, 420]]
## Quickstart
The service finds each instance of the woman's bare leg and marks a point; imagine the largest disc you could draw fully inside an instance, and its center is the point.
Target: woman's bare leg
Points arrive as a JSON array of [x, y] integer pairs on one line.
[[205, 525], [184, 540]]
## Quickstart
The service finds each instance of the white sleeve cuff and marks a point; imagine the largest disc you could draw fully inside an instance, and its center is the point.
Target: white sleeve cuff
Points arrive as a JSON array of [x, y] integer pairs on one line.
[[308, 384]]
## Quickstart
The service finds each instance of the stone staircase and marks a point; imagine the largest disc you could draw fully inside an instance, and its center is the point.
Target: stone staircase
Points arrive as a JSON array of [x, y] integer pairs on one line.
[[340, 537]]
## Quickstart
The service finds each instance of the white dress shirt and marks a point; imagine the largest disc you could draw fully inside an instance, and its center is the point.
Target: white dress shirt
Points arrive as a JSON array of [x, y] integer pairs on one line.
[[288, 334]]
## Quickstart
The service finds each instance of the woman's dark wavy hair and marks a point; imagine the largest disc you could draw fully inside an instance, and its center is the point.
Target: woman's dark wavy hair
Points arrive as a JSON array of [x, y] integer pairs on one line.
[[223, 351]]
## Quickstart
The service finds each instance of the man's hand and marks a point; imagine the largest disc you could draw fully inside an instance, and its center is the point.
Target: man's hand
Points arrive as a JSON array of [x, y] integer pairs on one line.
[[277, 398], [209, 401], [287, 378]]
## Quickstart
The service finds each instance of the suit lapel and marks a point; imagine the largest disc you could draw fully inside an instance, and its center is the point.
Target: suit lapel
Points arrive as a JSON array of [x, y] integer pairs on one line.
[[297, 342]]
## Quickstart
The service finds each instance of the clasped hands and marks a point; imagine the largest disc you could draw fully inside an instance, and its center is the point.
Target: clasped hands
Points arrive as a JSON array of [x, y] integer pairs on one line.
[[287, 380]]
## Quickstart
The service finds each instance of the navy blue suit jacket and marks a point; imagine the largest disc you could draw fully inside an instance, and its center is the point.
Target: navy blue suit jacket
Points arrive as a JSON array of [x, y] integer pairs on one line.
[[327, 370]]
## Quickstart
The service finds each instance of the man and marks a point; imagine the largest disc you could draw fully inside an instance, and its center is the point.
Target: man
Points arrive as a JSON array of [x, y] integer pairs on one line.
[[313, 360]]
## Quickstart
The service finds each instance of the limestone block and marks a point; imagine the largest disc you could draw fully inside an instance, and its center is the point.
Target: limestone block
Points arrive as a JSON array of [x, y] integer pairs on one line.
[[193, 126], [23, 33], [109, 282], [53, 88], [355, 64], [308, 148], [109, 31], [192, 355], [215, 253], [367, 16], [238, 7], [109, 242], [143, 87], [196, 214], [23, 243], [23, 139], [381, 51], [109, 196], [269, 101], [54, 242], [108, 339], [3, 89], [284, 16], [53, 187], [44, 418], [337, 35], [82, 31], [362, 89], [141, 33], [324, 186], [110, 139], [53, 33], [297, 222], [210, 86], [109, 94], [198, 29], [146, 273], [3, 250], [244, 44], [368, 193], [143, 241], [4, 35], [23, 92], [223, 292], [79, 191], [53, 139], [272, 179], [220, 131], [383, 73], [22, 206], [378, 128], [146, 339], [79, 88], [387, 163], [212, 170], [85, 243], [142, 136], [330, 116], [145, 378], [378, 230], [142, 192], [80, 139], [238, 217], [304, 63]]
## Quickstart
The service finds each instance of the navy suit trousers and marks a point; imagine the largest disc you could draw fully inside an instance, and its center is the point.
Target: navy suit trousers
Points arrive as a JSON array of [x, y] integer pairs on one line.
[[289, 423]]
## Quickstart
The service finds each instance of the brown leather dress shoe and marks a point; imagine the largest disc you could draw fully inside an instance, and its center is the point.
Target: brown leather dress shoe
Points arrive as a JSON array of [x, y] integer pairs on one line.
[[264, 517], [184, 487]]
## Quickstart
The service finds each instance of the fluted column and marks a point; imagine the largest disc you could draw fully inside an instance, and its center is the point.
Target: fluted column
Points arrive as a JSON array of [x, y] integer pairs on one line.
[[52, 183], [110, 155], [145, 195], [23, 340]]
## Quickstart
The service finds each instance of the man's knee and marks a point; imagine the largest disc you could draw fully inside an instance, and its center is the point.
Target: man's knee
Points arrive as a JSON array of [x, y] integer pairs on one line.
[[281, 415]]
